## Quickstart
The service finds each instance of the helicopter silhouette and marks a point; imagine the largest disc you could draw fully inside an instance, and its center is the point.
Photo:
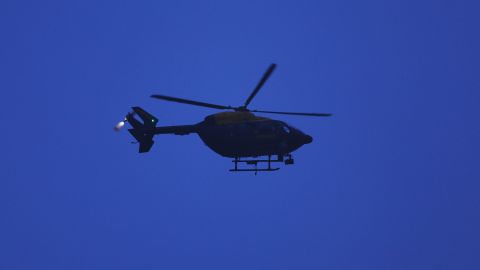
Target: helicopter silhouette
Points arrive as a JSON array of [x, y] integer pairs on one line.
[[237, 133]]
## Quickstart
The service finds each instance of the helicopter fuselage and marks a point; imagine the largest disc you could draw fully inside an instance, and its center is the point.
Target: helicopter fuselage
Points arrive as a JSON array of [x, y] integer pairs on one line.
[[242, 134], [236, 133]]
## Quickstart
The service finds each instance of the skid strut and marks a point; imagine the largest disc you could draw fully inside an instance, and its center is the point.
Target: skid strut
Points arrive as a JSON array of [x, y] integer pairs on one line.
[[254, 162]]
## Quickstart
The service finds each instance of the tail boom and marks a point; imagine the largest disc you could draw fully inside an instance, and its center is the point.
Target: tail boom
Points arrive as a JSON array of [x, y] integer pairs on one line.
[[144, 132]]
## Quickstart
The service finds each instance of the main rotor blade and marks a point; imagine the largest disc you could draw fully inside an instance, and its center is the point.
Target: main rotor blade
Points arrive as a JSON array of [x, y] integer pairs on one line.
[[260, 84], [294, 113], [192, 102]]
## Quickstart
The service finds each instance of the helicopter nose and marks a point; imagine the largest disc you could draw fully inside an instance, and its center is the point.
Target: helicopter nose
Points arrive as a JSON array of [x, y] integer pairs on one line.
[[308, 139]]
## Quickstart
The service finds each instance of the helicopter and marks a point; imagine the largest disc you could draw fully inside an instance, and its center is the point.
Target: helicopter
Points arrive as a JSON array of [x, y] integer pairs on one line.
[[234, 133]]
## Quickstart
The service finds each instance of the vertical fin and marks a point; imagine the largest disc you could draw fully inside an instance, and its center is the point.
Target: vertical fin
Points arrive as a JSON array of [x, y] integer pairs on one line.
[[142, 132]]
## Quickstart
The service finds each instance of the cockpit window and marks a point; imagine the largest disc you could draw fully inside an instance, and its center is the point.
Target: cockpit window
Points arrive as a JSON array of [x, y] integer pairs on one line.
[[286, 128]]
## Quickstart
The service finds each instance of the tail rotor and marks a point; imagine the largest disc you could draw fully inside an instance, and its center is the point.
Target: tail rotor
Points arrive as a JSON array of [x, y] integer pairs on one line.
[[143, 131]]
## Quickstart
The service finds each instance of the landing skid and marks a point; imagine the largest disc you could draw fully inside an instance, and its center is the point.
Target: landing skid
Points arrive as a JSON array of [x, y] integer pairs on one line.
[[254, 162]]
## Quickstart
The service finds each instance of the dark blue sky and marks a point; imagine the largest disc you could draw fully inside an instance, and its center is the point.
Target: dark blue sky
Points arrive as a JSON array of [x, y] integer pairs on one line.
[[390, 182]]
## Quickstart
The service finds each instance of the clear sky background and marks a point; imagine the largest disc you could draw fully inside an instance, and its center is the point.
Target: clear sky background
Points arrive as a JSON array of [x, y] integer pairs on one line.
[[391, 181]]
